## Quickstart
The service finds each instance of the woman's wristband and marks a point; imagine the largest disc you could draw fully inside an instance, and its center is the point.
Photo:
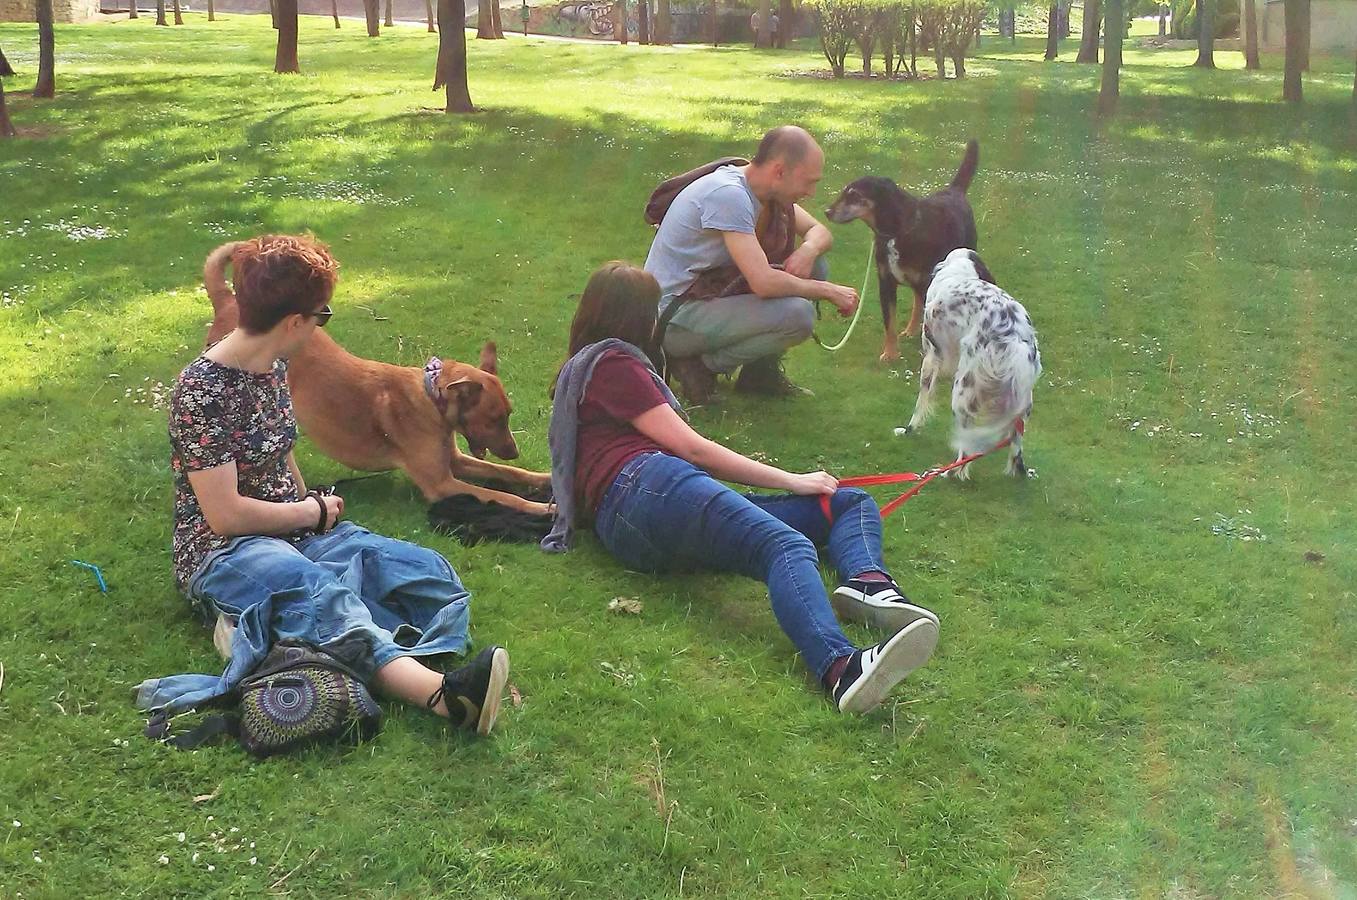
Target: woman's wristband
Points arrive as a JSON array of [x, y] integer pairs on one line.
[[324, 513]]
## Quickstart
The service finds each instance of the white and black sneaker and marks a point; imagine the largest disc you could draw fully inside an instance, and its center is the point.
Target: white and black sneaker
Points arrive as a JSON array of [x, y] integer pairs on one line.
[[877, 603], [871, 673]]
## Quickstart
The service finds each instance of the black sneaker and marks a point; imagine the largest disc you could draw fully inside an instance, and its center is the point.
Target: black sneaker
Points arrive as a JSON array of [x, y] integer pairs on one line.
[[765, 378], [880, 604], [871, 673], [473, 692]]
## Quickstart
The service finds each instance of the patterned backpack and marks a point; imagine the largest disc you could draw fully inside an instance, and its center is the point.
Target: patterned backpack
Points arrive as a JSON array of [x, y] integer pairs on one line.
[[298, 696]]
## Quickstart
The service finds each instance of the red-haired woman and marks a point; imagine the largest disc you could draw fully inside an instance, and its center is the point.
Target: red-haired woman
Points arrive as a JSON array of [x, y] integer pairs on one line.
[[251, 544]]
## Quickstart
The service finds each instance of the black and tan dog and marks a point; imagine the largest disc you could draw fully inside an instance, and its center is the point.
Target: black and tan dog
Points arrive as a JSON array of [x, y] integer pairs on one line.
[[374, 416], [913, 234]]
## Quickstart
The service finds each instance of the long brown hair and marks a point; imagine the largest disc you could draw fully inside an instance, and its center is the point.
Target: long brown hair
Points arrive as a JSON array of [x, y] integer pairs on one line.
[[620, 301]]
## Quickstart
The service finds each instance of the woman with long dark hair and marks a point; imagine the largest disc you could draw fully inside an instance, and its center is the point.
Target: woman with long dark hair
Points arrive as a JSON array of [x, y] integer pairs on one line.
[[624, 457]]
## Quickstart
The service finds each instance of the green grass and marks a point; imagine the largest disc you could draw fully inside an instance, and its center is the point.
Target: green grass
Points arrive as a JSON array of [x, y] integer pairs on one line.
[[1128, 699]]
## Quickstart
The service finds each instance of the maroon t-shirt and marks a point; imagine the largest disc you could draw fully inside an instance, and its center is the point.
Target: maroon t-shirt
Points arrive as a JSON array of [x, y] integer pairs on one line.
[[620, 390]]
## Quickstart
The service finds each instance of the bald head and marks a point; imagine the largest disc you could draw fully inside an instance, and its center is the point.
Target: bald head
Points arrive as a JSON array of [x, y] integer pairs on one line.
[[788, 144]]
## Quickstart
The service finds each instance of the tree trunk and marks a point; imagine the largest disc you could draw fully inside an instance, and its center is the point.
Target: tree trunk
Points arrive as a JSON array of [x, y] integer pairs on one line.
[[764, 36], [664, 23], [715, 23], [785, 16], [1206, 35], [1114, 23], [1293, 15], [1251, 59], [428, 15], [1088, 43], [1163, 20], [7, 129], [388, 21], [450, 71], [285, 60], [160, 13], [211, 10], [47, 80], [372, 13], [1305, 35], [913, 42], [273, 12], [643, 21], [888, 46], [485, 28], [620, 21], [1053, 32], [132, 9], [334, 11], [496, 22], [866, 44], [1065, 18], [178, 14]]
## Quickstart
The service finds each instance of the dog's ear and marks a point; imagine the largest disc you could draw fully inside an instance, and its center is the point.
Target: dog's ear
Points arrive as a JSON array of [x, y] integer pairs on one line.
[[489, 359], [466, 389], [981, 270]]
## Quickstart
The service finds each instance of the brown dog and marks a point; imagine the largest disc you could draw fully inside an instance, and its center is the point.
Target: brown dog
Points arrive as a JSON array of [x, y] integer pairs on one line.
[[374, 416]]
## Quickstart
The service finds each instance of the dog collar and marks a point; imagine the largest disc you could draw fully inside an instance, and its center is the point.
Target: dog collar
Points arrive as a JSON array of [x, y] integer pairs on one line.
[[432, 369]]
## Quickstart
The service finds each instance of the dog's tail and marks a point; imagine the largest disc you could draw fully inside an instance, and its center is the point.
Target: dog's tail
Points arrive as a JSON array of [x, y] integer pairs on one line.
[[969, 163], [214, 276], [1005, 379], [224, 311]]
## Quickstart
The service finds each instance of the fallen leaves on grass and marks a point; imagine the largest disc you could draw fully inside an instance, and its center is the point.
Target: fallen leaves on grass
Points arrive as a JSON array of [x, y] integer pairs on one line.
[[630, 605], [1311, 556], [624, 677], [204, 798]]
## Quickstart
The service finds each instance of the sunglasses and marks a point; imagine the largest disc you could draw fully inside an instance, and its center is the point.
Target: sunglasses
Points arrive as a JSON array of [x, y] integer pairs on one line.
[[322, 316]]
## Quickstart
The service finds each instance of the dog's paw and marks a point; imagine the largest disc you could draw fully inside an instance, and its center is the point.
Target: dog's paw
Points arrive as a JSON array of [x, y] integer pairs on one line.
[[911, 331], [889, 355], [962, 474], [902, 430]]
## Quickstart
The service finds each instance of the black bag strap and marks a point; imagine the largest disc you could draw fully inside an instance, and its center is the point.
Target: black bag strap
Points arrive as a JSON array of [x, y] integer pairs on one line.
[[211, 730]]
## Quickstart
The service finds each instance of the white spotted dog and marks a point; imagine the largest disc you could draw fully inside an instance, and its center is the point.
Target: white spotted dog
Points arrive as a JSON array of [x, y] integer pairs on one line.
[[976, 331]]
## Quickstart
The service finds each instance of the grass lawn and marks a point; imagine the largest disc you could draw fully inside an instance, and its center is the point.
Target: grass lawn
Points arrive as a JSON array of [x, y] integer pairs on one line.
[[1143, 688]]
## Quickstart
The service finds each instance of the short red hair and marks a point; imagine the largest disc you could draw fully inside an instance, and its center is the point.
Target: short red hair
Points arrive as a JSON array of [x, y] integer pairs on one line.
[[278, 275]]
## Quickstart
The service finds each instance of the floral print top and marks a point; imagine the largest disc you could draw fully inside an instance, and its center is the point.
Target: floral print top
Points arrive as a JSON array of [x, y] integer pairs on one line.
[[220, 414]]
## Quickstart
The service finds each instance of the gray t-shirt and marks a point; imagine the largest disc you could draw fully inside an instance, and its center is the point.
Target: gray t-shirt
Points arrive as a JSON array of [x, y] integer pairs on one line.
[[689, 240]]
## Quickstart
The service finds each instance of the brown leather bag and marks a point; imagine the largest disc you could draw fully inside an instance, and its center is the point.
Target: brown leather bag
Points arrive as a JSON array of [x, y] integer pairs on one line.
[[775, 230]]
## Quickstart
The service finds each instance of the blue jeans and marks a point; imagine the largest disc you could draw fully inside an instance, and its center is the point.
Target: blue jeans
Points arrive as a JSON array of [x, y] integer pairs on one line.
[[665, 514], [365, 598]]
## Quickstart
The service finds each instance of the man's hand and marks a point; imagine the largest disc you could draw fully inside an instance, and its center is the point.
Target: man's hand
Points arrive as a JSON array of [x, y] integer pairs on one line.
[[801, 261], [845, 298]]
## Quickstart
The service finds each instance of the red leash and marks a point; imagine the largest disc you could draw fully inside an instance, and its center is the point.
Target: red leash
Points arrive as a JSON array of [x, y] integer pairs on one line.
[[900, 477]]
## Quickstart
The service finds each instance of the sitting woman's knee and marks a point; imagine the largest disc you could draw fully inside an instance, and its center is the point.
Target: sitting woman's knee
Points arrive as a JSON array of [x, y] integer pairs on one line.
[[850, 498]]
